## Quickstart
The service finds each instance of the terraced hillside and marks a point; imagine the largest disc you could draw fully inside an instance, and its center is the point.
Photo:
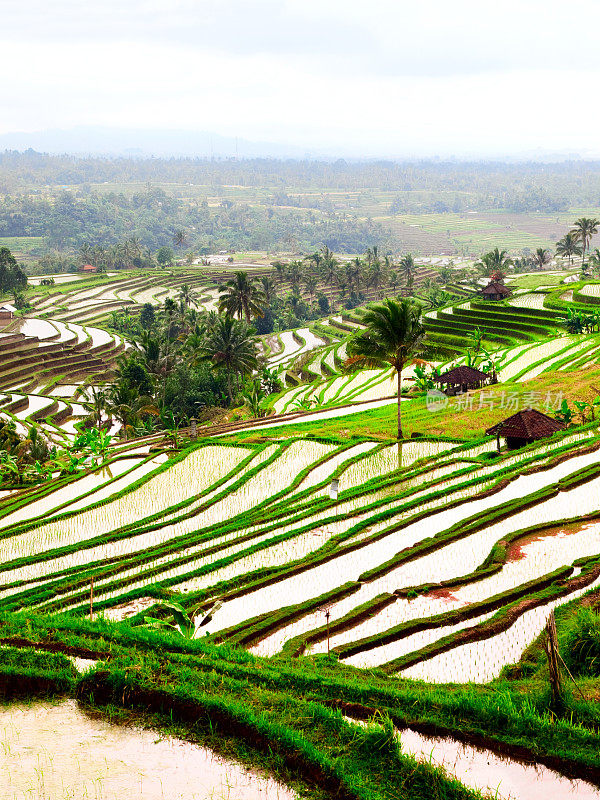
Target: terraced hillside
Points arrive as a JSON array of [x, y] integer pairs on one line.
[[429, 553], [329, 573]]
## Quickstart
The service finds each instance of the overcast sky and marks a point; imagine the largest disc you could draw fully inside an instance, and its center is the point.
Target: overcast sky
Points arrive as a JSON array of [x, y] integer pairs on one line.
[[354, 77]]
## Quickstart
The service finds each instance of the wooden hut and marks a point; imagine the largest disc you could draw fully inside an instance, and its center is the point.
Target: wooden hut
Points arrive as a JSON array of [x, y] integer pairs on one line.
[[87, 268], [7, 312], [525, 427], [495, 291], [462, 379]]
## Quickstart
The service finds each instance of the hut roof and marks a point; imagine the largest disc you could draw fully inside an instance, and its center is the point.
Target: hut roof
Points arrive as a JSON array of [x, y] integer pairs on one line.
[[527, 424], [461, 375], [494, 287]]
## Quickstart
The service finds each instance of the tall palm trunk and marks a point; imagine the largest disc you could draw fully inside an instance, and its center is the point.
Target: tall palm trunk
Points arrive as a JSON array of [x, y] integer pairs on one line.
[[399, 402]]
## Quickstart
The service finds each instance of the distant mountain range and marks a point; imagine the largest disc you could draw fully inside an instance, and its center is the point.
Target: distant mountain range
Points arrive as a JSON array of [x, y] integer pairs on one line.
[[90, 140], [169, 143]]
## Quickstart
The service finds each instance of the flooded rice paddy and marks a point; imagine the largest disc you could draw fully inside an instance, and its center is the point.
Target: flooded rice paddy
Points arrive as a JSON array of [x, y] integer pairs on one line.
[[59, 752], [502, 777]]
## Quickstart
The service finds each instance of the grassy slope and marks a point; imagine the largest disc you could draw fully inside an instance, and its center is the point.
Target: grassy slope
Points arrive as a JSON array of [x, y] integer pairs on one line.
[[285, 714], [456, 420]]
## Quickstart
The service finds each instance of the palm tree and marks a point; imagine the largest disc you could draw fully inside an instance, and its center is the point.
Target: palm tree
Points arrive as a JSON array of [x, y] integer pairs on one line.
[[93, 399], [542, 257], [407, 265], [241, 297], [568, 246], [392, 337], [230, 347], [126, 405], [186, 295], [594, 259], [179, 238], [376, 275], [310, 284], [170, 306], [316, 259], [494, 261], [354, 274], [584, 228], [279, 268], [269, 289], [294, 273]]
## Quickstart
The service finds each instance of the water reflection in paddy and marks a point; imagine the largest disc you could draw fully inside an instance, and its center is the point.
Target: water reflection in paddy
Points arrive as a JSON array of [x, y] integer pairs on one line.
[[501, 776], [57, 751]]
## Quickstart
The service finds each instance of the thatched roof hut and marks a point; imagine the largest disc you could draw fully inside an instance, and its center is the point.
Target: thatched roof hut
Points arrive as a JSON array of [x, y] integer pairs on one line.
[[495, 291], [525, 427], [462, 379]]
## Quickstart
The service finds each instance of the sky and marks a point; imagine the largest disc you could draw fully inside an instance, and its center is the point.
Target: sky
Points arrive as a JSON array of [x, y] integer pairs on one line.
[[340, 77]]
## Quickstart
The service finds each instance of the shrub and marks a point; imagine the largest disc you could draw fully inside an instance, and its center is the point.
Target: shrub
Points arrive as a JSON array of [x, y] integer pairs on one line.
[[581, 643]]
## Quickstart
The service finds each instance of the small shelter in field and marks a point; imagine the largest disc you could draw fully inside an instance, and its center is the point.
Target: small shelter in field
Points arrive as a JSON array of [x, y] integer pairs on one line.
[[7, 312], [525, 427], [495, 291], [87, 268], [462, 379]]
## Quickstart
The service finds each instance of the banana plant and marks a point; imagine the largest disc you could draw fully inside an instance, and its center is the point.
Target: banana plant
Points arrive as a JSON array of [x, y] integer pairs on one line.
[[564, 413], [582, 407], [595, 404], [305, 403], [180, 620], [253, 399]]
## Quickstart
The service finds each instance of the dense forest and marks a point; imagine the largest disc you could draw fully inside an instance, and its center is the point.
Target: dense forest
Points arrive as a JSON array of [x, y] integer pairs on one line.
[[71, 219], [523, 186], [272, 205]]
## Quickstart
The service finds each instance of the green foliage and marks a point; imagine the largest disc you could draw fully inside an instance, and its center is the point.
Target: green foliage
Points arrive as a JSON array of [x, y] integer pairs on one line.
[[242, 297], [165, 256], [580, 645], [147, 316], [179, 620], [564, 413], [12, 277]]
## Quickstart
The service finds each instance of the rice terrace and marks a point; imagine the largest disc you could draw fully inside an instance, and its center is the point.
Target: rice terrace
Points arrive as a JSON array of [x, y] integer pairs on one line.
[[299, 400], [321, 553]]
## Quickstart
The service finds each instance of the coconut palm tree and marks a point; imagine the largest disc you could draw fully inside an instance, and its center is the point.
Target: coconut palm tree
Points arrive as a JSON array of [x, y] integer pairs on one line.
[[126, 405], [279, 268], [376, 275], [584, 228], [241, 297], [310, 284], [594, 260], [354, 274], [269, 289], [295, 274], [568, 246], [542, 257], [93, 399], [187, 296], [392, 337], [179, 238], [230, 346], [407, 265], [316, 258], [494, 261]]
